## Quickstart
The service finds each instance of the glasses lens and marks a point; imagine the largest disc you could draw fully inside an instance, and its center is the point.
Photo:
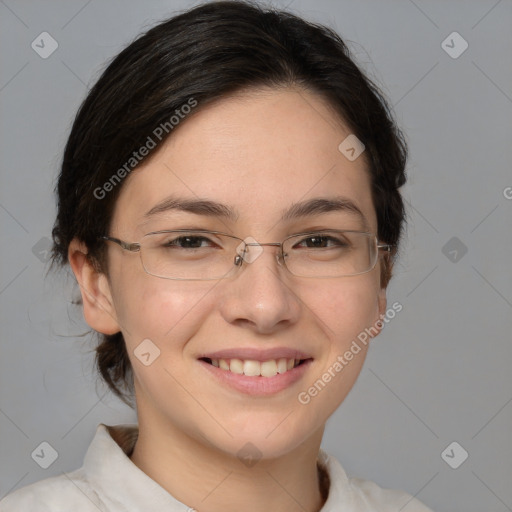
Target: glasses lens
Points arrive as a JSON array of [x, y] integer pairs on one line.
[[203, 255], [188, 254], [330, 253]]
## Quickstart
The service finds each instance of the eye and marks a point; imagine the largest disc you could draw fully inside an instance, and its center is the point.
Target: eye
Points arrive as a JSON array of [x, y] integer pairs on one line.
[[322, 241], [186, 241]]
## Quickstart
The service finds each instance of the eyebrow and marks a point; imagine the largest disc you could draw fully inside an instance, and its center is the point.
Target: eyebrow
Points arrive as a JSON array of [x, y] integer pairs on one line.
[[198, 206], [310, 207], [321, 205]]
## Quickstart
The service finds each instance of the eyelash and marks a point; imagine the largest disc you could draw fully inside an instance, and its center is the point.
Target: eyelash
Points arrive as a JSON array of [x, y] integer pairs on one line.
[[175, 242]]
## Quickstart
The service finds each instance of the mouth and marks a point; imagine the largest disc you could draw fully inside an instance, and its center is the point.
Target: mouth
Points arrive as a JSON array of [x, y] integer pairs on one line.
[[259, 378], [254, 368]]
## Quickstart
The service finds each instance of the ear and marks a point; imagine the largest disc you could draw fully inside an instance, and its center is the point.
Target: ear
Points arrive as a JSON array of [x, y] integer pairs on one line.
[[98, 306], [380, 312], [382, 302]]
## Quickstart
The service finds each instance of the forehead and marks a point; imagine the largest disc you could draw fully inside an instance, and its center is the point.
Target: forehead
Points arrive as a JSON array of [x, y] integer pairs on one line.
[[257, 152]]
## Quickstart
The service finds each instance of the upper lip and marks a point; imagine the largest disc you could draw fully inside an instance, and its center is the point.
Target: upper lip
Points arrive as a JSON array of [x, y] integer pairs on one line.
[[256, 354]]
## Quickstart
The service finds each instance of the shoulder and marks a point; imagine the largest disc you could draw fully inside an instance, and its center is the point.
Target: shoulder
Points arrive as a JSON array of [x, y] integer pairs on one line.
[[56, 494], [385, 500], [359, 495], [88, 488]]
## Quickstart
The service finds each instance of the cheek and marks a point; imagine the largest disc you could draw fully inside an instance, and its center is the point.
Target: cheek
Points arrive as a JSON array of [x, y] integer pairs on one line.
[[346, 307], [345, 310], [161, 310]]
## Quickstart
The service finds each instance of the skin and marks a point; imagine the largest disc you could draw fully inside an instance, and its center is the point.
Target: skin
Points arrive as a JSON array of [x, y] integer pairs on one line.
[[257, 152]]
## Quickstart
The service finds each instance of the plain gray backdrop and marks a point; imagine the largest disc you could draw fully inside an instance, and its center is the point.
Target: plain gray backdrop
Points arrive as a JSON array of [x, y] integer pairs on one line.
[[440, 371]]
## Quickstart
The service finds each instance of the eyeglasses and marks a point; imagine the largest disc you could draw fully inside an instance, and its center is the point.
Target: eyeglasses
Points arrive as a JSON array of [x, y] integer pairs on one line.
[[203, 255]]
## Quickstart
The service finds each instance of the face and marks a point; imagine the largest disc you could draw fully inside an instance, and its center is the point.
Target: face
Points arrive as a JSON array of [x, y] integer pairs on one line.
[[257, 153]]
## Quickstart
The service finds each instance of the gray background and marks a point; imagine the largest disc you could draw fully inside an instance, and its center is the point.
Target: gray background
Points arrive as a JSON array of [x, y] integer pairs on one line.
[[439, 373]]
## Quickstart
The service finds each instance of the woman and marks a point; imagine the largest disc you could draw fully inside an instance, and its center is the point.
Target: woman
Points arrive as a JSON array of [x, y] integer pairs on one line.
[[229, 204]]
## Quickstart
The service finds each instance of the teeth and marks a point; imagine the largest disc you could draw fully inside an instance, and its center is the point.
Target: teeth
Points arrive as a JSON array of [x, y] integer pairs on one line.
[[236, 366], [268, 368], [282, 365], [251, 368], [254, 368]]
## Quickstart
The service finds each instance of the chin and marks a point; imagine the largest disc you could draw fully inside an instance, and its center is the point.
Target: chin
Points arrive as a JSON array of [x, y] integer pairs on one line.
[[264, 441]]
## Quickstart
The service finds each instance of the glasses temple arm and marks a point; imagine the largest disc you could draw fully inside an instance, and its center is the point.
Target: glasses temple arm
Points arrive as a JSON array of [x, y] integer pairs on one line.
[[133, 247]]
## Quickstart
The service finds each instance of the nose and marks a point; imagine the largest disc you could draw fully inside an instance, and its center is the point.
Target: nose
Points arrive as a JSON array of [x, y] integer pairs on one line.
[[260, 295]]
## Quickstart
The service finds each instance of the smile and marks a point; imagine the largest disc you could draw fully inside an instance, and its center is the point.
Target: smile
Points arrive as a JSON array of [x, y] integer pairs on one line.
[[253, 368], [257, 378]]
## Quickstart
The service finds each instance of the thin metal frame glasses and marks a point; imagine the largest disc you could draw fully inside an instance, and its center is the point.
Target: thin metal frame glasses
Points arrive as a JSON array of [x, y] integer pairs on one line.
[[330, 253]]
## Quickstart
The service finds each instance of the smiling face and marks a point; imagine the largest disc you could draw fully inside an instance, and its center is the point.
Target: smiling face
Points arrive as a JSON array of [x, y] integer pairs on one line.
[[257, 153]]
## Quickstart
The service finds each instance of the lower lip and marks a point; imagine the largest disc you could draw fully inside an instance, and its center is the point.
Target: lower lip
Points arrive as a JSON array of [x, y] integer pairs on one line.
[[261, 386]]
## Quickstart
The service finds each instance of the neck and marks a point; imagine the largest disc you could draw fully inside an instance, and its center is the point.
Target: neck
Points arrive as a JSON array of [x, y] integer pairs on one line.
[[209, 480]]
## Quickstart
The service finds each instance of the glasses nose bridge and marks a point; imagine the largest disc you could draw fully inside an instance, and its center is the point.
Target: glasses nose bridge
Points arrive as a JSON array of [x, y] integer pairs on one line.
[[258, 244], [276, 244], [279, 255]]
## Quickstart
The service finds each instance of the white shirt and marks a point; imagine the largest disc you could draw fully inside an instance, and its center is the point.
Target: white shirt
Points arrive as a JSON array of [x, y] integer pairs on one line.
[[110, 482]]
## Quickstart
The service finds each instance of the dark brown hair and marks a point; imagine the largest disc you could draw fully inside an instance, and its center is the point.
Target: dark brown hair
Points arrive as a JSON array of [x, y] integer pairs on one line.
[[207, 53]]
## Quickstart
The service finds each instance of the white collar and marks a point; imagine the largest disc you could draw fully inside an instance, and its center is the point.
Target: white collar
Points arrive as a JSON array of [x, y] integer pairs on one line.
[[108, 468]]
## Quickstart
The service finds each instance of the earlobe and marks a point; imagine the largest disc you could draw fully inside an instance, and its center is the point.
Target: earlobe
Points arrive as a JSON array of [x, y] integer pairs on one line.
[[381, 307], [385, 276], [383, 302], [99, 311]]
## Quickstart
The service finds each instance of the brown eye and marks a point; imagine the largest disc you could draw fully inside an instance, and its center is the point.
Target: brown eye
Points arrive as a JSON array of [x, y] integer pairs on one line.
[[188, 242], [321, 242]]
